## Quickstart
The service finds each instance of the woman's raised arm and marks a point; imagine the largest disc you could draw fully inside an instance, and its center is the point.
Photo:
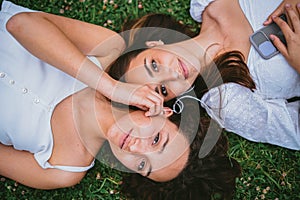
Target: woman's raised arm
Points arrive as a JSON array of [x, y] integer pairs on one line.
[[64, 43]]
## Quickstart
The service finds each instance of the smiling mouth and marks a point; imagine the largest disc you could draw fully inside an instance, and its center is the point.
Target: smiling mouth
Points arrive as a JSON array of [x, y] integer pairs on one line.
[[124, 139], [184, 69]]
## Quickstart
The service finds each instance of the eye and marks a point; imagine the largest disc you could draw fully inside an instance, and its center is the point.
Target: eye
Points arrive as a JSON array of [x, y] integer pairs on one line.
[[141, 165], [154, 65], [156, 139], [163, 90]]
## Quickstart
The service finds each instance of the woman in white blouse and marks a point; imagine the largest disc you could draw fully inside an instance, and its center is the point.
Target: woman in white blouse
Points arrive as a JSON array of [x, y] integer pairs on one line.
[[255, 98]]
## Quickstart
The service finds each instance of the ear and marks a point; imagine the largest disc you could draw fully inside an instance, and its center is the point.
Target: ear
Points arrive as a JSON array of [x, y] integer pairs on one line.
[[154, 43], [167, 112]]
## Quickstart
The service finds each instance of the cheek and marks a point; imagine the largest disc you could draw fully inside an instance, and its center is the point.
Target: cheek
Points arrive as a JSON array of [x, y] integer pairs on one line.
[[136, 74], [128, 160], [177, 87], [139, 78]]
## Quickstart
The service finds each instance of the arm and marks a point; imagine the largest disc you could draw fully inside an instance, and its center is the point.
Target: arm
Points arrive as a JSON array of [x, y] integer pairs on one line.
[[292, 35], [281, 10], [22, 167], [64, 43], [197, 7], [247, 114]]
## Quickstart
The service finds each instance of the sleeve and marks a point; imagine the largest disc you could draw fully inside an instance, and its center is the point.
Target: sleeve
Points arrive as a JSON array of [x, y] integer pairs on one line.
[[197, 7], [95, 61], [241, 111], [8, 9]]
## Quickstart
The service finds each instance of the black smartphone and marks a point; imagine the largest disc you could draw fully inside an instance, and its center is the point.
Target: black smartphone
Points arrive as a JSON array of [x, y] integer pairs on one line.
[[261, 41]]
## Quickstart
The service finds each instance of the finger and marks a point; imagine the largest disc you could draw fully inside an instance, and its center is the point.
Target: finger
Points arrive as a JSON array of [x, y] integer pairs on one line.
[[156, 98], [285, 28], [155, 110], [142, 107], [151, 111], [279, 45], [279, 10], [150, 100], [159, 109], [293, 17], [151, 107]]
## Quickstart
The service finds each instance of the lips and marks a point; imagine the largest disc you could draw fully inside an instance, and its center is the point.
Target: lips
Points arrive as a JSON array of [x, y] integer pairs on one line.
[[184, 69], [125, 140]]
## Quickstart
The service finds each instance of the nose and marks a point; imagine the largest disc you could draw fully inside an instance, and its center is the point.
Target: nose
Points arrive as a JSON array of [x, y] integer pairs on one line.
[[141, 145], [170, 74]]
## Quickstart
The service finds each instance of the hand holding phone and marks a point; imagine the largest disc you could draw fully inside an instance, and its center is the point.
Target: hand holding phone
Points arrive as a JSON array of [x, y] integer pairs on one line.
[[262, 42]]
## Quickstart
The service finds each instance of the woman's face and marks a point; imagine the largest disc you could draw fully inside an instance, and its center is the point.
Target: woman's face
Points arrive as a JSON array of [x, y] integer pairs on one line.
[[168, 69], [150, 146]]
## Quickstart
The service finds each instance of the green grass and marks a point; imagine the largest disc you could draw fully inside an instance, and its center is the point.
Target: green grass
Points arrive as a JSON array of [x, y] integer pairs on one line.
[[269, 172]]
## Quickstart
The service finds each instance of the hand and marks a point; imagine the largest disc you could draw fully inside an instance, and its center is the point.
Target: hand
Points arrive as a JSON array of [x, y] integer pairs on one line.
[[281, 10], [140, 96], [292, 36]]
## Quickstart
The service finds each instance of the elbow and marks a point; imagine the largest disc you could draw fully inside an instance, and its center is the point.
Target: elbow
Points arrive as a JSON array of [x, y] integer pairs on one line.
[[65, 180], [60, 180], [116, 44], [121, 45], [118, 47], [16, 23]]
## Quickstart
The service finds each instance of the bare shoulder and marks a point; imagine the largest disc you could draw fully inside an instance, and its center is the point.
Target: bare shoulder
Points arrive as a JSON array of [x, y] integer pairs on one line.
[[221, 9], [68, 147]]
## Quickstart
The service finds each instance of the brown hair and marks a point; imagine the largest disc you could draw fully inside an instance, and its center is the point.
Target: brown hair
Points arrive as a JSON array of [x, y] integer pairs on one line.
[[201, 178], [174, 32], [164, 27], [228, 67]]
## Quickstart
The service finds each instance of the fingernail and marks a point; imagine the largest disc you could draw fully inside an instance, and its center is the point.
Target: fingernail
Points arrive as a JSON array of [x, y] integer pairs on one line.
[[274, 16], [298, 5], [287, 5], [272, 37]]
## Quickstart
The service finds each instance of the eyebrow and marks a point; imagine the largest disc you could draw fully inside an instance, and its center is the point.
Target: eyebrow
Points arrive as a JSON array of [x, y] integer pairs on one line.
[[147, 68], [149, 171], [160, 151], [164, 145]]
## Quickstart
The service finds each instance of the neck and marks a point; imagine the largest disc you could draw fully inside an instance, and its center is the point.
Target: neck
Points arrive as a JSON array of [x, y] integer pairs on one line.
[[94, 116], [210, 40]]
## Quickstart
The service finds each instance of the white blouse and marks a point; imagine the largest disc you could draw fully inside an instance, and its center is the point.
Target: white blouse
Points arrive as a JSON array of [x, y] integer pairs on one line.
[[263, 115], [30, 90]]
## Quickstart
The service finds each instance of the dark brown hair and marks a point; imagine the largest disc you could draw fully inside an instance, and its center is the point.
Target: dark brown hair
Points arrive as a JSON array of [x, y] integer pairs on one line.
[[201, 178], [228, 67], [174, 31], [164, 27], [214, 174]]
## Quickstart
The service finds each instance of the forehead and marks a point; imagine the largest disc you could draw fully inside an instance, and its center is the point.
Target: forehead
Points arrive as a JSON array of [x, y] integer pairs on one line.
[[140, 69], [169, 164], [176, 164], [148, 53]]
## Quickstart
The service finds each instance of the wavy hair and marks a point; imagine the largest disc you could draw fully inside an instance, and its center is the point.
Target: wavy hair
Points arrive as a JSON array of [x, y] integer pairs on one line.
[[200, 178], [159, 27]]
